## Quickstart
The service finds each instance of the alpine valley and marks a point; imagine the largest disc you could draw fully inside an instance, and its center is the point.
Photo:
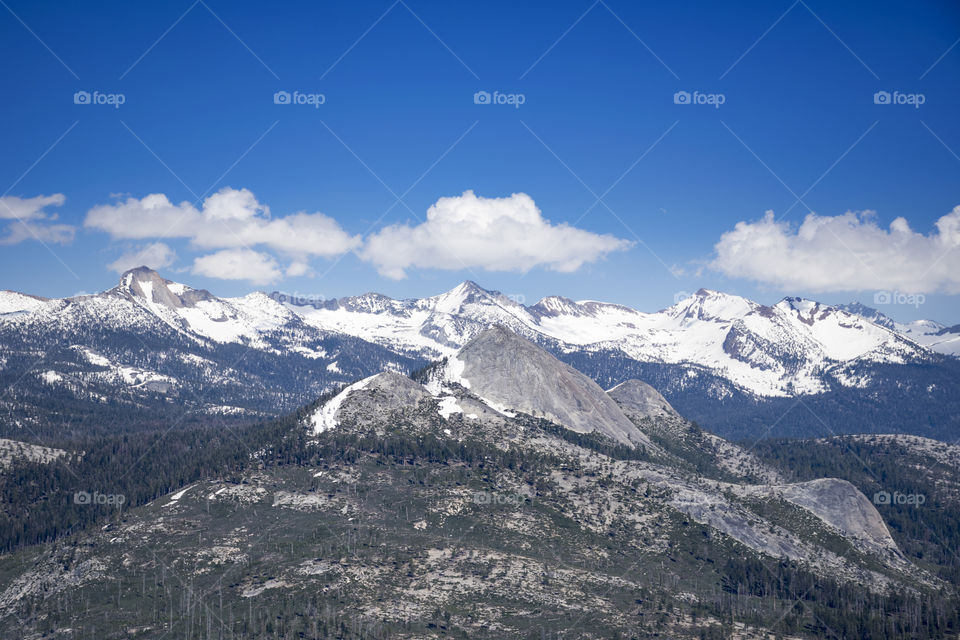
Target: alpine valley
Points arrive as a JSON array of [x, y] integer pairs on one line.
[[151, 347]]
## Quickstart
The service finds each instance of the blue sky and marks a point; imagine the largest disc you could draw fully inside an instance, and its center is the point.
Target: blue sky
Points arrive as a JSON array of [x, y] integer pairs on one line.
[[598, 120]]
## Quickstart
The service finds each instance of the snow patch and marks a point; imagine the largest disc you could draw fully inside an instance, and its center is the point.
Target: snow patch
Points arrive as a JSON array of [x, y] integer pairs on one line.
[[448, 407]]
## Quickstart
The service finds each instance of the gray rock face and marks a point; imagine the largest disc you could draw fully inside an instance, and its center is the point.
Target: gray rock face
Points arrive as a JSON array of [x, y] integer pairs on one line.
[[639, 400], [841, 505], [502, 367], [384, 394]]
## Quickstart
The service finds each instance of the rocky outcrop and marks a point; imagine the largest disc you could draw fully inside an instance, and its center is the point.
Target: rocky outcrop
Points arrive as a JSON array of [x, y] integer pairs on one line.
[[501, 367], [375, 397], [639, 400]]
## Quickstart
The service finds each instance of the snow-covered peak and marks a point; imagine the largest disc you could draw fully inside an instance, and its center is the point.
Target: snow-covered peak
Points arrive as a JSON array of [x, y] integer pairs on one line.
[[465, 293], [553, 306], [710, 305], [799, 305], [12, 302]]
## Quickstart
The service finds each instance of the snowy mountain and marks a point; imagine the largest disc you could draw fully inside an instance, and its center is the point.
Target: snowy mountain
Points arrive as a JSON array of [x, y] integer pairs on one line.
[[727, 362], [795, 347], [929, 333], [151, 349]]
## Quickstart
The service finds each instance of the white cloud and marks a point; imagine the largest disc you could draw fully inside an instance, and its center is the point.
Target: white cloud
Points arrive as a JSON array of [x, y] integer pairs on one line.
[[496, 234], [29, 220], [29, 208], [156, 256], [228, 219], [297, 269], [849, 252], [239, 264]]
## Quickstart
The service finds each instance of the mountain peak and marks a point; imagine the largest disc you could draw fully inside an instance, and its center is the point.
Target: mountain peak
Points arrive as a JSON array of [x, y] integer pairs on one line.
[[141, 271], [464, 293], [800, 305], [707, 304], [557, 305], [131, 277], [144, 284]]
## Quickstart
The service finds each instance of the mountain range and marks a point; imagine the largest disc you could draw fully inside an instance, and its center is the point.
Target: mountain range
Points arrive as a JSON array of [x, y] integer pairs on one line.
[[737, 367]]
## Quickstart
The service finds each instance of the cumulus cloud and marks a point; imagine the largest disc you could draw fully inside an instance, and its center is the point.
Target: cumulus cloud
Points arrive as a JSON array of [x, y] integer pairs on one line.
[[496, 234], [156, 256], [849, 252], [31, 221], [239, 264], [228, 219]]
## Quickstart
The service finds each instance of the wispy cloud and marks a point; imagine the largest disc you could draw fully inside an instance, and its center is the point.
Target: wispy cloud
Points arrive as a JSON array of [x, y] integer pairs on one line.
[[30, 220], [156, 256]]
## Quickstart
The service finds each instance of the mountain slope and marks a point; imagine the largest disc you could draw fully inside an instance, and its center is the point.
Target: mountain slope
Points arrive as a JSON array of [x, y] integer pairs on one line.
[[399, 521], [505, 370]]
